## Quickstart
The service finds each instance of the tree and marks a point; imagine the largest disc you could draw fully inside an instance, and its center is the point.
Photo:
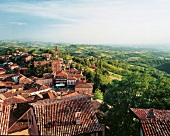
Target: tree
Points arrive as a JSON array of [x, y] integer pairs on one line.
[[8, 52], [39, 70], [133, 91], [98, 94], [98, 79]]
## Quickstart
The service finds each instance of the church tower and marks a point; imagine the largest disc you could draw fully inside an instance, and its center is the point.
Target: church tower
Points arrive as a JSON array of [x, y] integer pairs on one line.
[[56, 53], [56, 65]]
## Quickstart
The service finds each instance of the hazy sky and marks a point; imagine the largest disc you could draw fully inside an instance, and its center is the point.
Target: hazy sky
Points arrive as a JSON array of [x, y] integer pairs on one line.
[[87, 21]]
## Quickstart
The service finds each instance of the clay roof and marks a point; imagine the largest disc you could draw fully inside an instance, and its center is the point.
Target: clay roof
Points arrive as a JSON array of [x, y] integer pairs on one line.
[[23, 69], [18, 125], [71, 78], [6, 75], [83, 85], [93, 66], [59, 117], [4, 119], [33, 78], [96, 104], [70, 95], [30, 90], [77, 75], [8, 94], [17, 86], [2, 70], [36, 63], [17, 117], [73, 71], [58, 61], [43, 87], [51, 95], [62, 73], [157, 124], [9, 82], [2, 84], [2, 57], [13, 65], [15, 99], [2, 97], [23, 79]]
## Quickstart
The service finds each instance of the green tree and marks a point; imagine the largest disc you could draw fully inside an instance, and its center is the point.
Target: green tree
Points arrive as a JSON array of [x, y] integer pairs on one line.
[[133, 91], [98, 94], [39, 70]]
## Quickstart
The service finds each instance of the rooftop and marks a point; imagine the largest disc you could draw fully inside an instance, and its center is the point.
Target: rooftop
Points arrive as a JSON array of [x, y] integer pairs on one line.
[[154, 122], [73, 115]]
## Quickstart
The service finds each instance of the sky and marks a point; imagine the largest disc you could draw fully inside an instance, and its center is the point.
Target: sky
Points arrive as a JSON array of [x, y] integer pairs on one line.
[[86, 21]]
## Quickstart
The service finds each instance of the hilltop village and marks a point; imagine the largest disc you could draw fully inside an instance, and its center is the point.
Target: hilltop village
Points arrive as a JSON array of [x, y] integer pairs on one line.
[[59, 103], [57, 99]]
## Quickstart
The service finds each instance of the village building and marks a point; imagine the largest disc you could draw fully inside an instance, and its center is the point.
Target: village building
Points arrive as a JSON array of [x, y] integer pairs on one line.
[[26, 57], [8, 57], [2, 57], [42, 63], [45, 81], [13, 66], [84, 88], [48, 75], [153, 122], [23, 71], [61, 78], [47, 56], [57, 64], [93, 66]]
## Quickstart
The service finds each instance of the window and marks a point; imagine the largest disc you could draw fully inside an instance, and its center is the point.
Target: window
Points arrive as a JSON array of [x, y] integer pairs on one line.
[[77, 116]]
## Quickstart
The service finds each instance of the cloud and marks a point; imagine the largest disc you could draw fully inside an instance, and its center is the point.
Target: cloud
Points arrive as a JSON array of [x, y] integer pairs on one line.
[[63, 10], [18, 23], [104, 21]]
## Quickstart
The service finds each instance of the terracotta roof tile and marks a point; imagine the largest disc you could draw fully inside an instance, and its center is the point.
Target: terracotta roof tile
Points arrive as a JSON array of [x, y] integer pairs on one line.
[[36, 63], [23, 68], [70, 95], [2, 71], [13, 65], [17, 116], [14, 99], [154, 122], [4, 119], [73, 116], [62, 73], [8, 94], [2, 97], [17, 86], [96, 104], [23, 79], [71, 78], [2, 84], [83, 85], [6, 75]]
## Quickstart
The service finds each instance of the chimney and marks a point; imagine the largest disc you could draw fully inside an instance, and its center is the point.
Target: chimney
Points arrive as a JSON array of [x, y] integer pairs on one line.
[[151, 113]]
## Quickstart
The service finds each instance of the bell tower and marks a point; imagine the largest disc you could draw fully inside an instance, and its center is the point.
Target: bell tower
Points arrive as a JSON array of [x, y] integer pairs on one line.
[[56, 53]]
